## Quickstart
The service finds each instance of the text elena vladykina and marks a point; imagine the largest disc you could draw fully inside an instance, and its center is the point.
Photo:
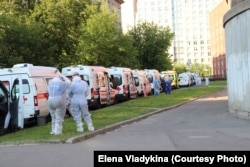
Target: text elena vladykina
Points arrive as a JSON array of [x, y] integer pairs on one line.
[[173, 159], [133, 158]]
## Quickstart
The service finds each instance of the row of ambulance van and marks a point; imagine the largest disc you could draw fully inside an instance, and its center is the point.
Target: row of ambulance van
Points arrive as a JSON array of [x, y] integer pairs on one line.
[[24, 89]]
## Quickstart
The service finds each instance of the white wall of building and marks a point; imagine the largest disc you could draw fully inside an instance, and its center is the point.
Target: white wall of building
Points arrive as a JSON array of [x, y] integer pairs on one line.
[[237, 32], [128, 12]]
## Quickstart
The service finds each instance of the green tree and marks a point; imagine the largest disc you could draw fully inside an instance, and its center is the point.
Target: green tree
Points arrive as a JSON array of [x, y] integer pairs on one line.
[[60, 22], [61, 33], [44, 33], [152, 43], [180, 68], [17, 37], [102, 42], [203, 70]]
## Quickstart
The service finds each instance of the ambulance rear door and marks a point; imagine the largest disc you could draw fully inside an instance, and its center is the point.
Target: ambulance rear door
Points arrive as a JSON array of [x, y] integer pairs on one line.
[[29, 93], [4, 106], [103, 91], [14, 118], [111, 93]]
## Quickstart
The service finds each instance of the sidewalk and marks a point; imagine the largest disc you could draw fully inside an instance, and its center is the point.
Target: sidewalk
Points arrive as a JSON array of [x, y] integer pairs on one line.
[[222, 95]]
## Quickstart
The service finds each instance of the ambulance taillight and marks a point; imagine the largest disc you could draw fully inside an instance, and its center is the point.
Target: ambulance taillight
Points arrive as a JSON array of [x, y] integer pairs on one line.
[[35, 101]]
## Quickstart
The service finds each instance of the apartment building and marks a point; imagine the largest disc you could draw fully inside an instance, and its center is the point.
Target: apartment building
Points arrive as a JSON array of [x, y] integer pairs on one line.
[[157, 11], [189, 20], [217, 34]]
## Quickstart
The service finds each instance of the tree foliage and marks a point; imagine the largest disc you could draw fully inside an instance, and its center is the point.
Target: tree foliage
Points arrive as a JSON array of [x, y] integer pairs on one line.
[[152, 43], [200, 69], [60, 22], [68, 32], [17, 36], [102, 42], [180, 68]]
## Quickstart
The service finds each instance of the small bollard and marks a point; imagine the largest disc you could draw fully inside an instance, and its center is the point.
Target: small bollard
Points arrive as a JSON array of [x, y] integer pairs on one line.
[[207, 81]]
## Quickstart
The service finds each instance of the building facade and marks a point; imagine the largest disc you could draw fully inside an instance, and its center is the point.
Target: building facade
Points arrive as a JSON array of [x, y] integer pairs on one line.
[[157, 11], [217, 36], [189, 20]]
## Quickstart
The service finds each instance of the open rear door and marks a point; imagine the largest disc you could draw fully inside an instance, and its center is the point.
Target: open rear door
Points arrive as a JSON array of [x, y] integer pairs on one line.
[[4, 106], [20, 122], [15, 119]]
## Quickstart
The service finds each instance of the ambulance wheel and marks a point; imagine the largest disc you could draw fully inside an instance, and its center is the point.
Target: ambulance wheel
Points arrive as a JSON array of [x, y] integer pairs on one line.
[[98, 105], [115, 100]]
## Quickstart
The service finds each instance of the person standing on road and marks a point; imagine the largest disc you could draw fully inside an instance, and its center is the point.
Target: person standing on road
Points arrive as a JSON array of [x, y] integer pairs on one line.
[[78, 91], [57, 102]]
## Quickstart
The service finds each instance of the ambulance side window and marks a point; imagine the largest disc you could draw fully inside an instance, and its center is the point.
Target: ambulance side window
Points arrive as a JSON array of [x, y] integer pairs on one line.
[[117, 79], [150, 78], [7, 84], [26, 86], [137, 81], [15, 89], [85, 78]]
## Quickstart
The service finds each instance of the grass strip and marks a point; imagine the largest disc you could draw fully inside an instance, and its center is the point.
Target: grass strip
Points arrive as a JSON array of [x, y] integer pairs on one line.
[[113, 114]]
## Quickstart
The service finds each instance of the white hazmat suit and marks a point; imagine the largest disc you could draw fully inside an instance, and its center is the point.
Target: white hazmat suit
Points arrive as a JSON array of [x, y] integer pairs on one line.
[[57, 102], [78, 91]]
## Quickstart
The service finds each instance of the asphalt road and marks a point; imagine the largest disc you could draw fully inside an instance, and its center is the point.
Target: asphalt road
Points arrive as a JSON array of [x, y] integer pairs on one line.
[[202, 124]]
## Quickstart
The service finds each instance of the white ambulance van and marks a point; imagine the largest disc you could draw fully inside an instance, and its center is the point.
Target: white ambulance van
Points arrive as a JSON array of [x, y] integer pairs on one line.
[[100, 93], [151, 73], [184, 79], [141, 82], [35, 87], [124, 83], [11, 108]]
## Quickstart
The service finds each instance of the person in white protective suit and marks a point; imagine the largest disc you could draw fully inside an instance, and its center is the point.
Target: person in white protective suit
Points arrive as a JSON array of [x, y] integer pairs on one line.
[[57, 102], [78, 91]]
